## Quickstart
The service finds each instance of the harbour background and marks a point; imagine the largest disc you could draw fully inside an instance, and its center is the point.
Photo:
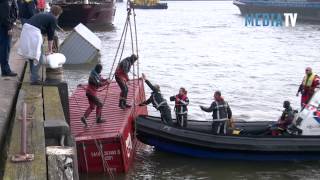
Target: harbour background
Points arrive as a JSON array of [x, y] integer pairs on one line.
[[204, 46]]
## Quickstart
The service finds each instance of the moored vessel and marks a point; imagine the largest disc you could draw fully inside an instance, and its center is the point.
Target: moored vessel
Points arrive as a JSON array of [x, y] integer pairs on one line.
[[91, 13], [306, 9], [149, 4]]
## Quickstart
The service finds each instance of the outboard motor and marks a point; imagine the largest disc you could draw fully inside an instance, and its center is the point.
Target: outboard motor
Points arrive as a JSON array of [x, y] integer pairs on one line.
[[309, 118]]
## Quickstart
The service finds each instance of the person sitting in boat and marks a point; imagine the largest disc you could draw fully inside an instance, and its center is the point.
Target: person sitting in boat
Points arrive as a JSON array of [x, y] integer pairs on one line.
[[95, 81], [158, 102], [121, 76], [181, 109], [221, 113], [307, 87], [285, 120]]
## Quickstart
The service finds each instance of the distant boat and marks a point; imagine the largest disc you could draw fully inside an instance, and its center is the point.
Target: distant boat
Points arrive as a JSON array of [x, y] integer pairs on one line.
[[306, 9], [149, 4], [88, 12]]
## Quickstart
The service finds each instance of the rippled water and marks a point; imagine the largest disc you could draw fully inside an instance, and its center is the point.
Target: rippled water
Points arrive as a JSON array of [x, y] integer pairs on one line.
[[204, 46]]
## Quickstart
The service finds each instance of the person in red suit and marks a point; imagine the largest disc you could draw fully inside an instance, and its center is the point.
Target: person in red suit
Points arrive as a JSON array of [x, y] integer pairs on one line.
[[308, 85], [121, 76], [94, 83]]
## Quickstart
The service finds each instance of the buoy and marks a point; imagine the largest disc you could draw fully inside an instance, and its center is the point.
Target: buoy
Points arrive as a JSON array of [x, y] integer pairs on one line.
[[55, 60]]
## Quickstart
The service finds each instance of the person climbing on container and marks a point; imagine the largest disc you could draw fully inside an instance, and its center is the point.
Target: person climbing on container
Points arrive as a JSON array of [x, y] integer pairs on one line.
[[158, 102], [221, 113], [94, 83], [121, 76], [308, 85], [181, 109], [284, 121]]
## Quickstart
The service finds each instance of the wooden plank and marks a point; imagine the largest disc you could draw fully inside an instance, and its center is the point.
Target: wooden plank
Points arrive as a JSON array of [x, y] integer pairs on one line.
[[53, 108], [36, 169], [55, 122]]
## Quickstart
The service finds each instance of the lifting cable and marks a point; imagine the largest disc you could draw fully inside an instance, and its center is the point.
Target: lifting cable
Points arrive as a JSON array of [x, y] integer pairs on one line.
[[121, 46]]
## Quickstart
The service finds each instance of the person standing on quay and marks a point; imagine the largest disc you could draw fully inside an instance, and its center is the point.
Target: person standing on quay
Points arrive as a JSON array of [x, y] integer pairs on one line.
[[31, 39], [6, 25]]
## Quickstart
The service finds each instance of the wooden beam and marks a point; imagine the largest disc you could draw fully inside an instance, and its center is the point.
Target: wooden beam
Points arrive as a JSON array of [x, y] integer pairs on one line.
[[36, 169], [55, 122]]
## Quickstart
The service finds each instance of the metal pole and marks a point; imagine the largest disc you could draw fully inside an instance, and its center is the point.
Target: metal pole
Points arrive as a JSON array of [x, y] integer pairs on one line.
[[23, 156], [24, 131]]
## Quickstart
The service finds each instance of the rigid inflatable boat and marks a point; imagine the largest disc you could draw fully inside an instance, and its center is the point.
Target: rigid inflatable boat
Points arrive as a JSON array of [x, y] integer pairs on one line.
[[254, 142]]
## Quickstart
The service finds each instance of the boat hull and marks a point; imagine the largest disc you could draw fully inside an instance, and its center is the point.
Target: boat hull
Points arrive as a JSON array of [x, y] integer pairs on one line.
[[205, 145], [305, 11], [99, 14], [157, 6]]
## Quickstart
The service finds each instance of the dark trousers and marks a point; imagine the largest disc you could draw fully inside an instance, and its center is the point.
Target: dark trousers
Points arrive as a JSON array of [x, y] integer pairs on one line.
[[219, 127], [182, 119], [5, 43], [124, 88], [93, 102], [166, 115]]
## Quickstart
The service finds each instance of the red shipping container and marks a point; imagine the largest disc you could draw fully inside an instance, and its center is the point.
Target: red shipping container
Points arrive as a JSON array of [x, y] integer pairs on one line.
[[111, 145]]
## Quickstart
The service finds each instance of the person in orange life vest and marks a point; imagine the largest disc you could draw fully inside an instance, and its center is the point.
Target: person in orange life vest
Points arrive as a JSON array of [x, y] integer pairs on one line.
[[181, 103], [285, 120], [307, 87], [121, 76], [94, 83]]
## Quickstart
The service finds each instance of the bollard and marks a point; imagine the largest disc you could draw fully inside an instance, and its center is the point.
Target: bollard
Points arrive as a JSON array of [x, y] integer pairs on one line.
[[54, 75], [23, 156]]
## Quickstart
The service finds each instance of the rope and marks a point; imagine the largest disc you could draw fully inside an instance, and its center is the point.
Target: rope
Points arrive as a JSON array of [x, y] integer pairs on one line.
[[85, 156]]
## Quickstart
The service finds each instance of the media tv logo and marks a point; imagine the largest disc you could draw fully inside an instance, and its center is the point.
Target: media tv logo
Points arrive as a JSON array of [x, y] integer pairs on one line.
[[271, 19]]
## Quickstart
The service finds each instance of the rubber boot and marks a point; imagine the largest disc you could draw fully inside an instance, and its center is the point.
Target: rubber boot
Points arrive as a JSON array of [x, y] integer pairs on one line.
[[99, 120], [122, 104], [84, 121], [126, 105]]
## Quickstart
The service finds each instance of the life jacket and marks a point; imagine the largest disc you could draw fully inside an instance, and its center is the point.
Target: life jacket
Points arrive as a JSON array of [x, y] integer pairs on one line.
[[220, 112], [181, 108], [308, 80]]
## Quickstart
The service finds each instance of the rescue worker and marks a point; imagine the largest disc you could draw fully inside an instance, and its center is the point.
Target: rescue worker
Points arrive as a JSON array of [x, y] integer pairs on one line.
[[307, 87], [94, 83], [285, 120], [121, 76], [181, 109], [158, 102], [221, 113]]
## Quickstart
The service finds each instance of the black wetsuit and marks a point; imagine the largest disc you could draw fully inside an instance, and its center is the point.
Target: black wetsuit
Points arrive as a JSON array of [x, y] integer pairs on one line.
[[159, 103], [121, 76]]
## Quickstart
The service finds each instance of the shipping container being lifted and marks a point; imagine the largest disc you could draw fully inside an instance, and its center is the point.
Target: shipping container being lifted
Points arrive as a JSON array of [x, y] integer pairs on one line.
[[115, 137]]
